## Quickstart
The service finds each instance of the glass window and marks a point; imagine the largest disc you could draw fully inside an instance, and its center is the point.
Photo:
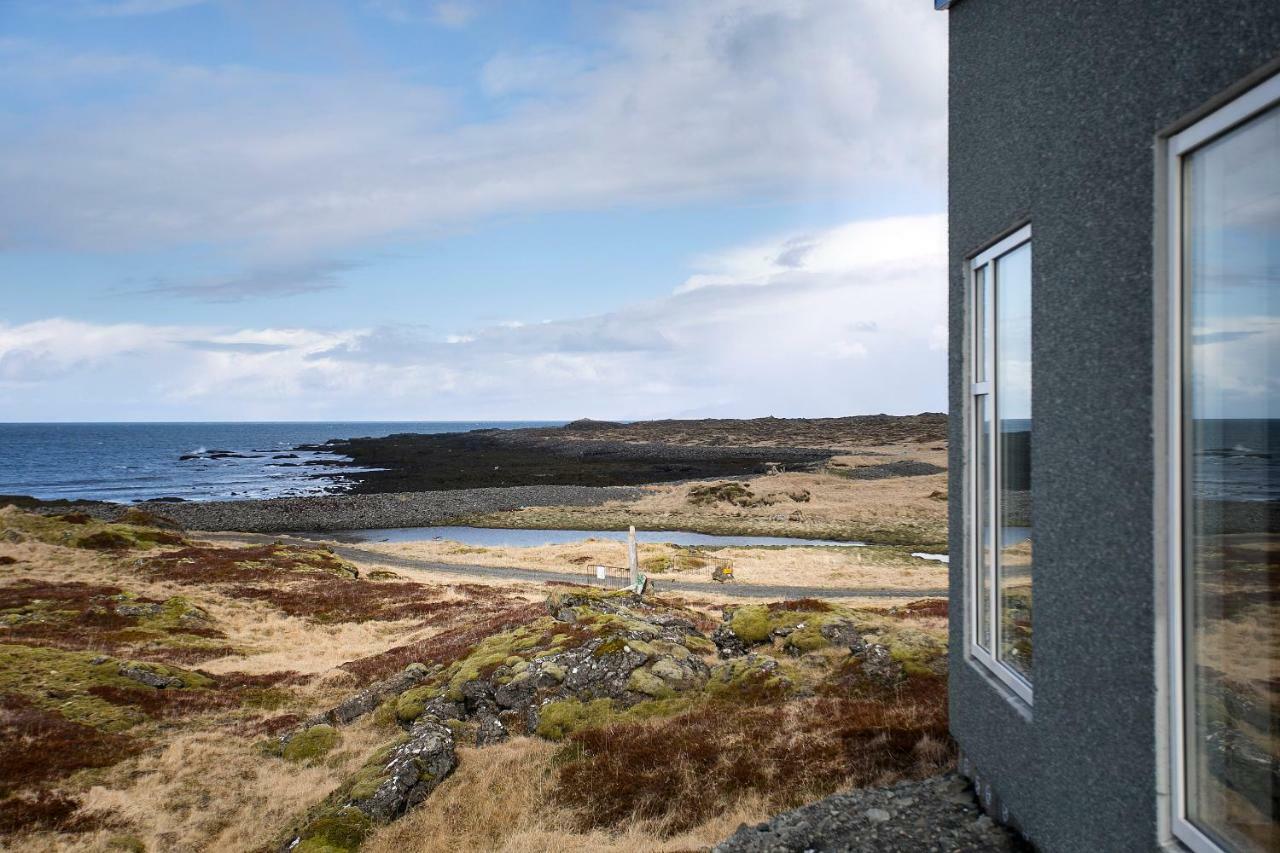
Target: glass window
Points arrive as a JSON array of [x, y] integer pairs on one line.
[[1229, 570], [1000, 469], [1013, 402]]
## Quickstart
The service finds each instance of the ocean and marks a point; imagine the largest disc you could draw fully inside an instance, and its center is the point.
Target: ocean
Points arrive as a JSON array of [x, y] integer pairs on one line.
[[1236, 459], [127, 462]]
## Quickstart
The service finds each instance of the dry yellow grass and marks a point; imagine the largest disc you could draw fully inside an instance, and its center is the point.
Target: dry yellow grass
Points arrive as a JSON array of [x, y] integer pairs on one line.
[[270, 640], [498, 800], [796, 566], [832, 498], [909, 510], [204, 784], [211, 791]]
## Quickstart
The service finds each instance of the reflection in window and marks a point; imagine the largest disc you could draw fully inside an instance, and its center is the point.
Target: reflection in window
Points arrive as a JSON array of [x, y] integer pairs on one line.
[[1013, 404], [1231, 458], [1000, 471]]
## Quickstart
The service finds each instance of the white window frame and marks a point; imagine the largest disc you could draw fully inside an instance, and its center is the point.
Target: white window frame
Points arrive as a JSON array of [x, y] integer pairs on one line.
[[1009, 677], [1178, 147]]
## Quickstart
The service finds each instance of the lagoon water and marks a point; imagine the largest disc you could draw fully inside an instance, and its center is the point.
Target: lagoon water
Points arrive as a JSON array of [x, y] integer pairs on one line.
[[494, 537], [127, 462]]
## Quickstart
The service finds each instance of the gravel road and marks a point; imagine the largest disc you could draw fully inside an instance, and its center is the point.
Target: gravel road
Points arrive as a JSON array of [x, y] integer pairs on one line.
[[774, 591]]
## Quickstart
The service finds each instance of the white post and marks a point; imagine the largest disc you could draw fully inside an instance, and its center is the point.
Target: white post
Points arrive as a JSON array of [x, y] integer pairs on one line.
[[633, 560]]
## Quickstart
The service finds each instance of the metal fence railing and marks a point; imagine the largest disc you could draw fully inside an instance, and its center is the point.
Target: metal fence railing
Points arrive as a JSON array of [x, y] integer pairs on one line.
[[608, 577], [619, 577]]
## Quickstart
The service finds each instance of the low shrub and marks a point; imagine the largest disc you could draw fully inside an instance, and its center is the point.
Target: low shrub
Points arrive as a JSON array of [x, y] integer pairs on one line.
[[672, 774], [38, 745], [43, 810]]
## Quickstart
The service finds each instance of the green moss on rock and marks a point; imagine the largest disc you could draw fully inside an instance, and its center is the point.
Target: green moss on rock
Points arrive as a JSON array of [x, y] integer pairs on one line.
[[340, 831], [751, 623], [311, 744], [411, 703], [644, 681], [62, 680], [807, 638], [560, 719]]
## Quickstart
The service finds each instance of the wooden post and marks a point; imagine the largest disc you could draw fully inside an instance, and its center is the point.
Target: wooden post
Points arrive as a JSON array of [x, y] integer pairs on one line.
[[633, 560]]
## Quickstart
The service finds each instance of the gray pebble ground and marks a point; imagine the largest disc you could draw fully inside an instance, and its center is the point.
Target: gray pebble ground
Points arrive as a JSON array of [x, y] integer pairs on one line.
[[363, 512], [934, 815]]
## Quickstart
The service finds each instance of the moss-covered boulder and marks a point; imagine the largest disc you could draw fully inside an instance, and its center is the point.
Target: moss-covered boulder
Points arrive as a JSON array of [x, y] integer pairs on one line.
[[342, 830], [800, 626], [396, 777], [310, 745]]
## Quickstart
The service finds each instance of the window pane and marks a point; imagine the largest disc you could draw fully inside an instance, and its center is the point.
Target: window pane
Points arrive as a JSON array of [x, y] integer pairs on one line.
[[982, 510], [1231, 450], [981, 324], [1013, 404]]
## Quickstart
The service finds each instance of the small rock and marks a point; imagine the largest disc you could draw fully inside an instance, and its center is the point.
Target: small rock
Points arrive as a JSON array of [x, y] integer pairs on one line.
[[147, 677]]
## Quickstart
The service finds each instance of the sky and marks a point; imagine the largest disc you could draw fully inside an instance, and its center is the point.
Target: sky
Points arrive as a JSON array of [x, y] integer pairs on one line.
[[471, 209]]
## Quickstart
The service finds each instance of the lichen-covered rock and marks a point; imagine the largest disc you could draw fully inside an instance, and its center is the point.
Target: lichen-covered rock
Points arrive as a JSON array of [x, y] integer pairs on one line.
[[644, 681], [412, 771], [490, 729], [600, 669], [878, 664], [366, 700], [748, 678], [127, 607], [843, 633], [151, 675], [477, 696], [799, 627]]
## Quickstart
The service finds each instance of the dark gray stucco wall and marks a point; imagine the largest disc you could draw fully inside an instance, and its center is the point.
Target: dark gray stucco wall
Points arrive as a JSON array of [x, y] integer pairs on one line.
[[1055, 107]]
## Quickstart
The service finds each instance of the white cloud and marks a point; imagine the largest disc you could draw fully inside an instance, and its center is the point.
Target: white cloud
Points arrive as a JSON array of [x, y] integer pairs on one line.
[[1232, 367], [278, 280], [682, 101], [848, 327]]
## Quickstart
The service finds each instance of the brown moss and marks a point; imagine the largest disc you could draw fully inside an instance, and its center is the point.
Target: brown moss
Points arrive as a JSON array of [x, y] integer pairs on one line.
[[44, 810], [143, 518], [38, 745], [105, 540], [447, 646], [681, 771], [82, 616], [801, 605], [921, 609], [313, 584]]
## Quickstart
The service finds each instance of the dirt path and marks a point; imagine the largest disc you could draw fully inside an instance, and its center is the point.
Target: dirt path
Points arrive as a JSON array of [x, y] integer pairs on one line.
[[778, 591]]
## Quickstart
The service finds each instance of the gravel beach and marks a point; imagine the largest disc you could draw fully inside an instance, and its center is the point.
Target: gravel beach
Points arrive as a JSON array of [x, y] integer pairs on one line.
[[362, 512]]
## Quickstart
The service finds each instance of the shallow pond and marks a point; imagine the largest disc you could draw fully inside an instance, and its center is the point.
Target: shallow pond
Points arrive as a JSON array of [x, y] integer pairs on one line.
[[493, 537]]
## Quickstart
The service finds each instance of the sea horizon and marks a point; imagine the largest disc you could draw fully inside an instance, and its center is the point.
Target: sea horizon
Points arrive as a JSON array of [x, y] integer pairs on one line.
[[133, 461]]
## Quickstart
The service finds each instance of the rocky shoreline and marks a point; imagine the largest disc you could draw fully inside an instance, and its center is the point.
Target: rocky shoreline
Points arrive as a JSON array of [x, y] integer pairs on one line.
[[411, 462], [433, 479], [353, 511]]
